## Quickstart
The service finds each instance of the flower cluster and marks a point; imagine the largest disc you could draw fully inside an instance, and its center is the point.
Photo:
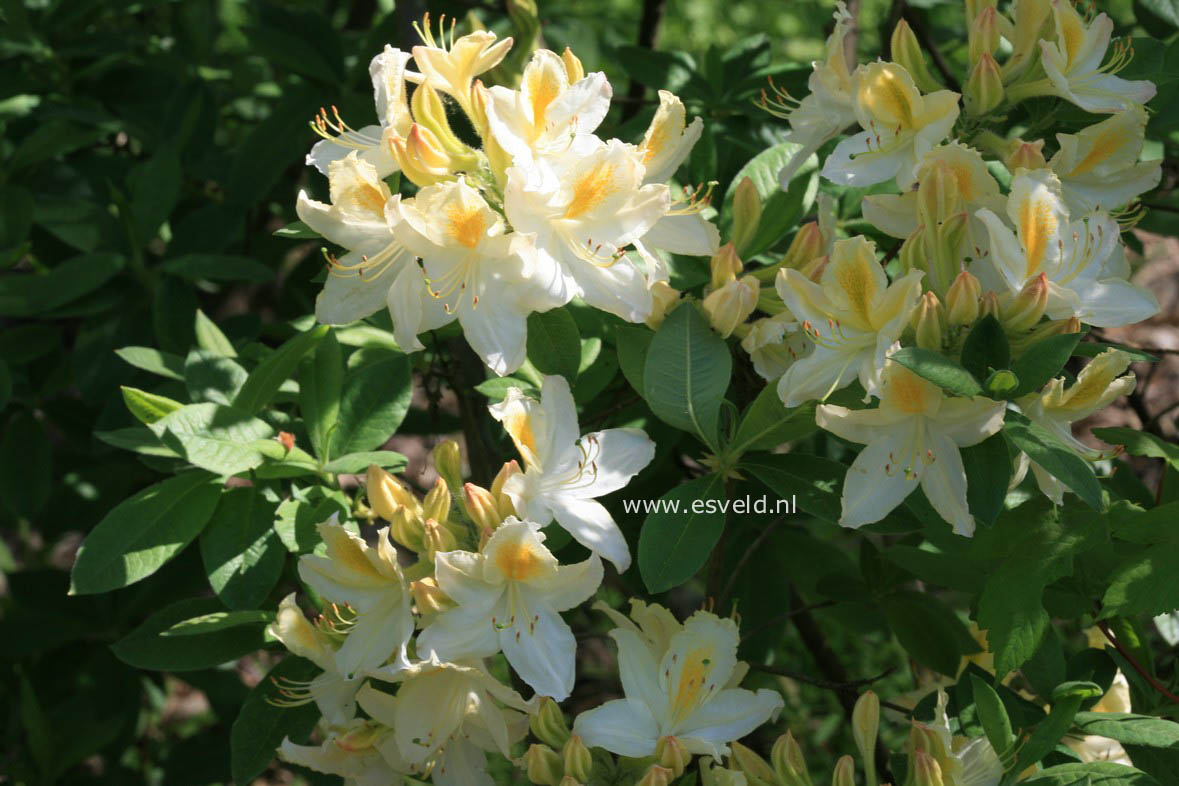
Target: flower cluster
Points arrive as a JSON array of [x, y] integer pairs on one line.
[[539, 212], [987, 229]]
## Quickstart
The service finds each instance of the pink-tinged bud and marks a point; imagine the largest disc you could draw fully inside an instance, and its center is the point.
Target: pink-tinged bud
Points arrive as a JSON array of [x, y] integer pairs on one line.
[[746, 214], [845, 772], [929, 322], [548, 724], [865, 726], [906, 51], [672, 754], [1055, 327], [577, 759], [430, 113], [664, 298], [937, 195], [573, 66], [789, 763], [436, 505], [725, 265], [976, 7], [428, 597], [962, 300], [927, 772], [984, 89], [984, 34], [1028, 155], [437, 538], [448, 462], [730, 305], [359, 738], [1026, 308], [814, 269], [542, 764], [481, 507], [421, 157], [988, 304], [754, 766], [386, 494], [502, 501], [570, 781], [656, 776], [808, 244]]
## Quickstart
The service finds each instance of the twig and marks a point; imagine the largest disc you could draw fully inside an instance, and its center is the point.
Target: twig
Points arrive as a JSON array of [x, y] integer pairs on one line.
[[1138, 667], [649, 21], [927, 42]]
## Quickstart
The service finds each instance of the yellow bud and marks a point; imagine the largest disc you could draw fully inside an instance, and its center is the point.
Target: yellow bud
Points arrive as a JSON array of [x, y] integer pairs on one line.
[[927, 772], [711, 774], [976, 7], [421, 157], [573, 66], [845, 772], [436, 505], [543, 765], [789, 763], [386, 495], [989, 304], [724, 266], [481, 507], [937, 195], [865, 725], [732, 304], [1032, 21], [914, 254], [672, 754], [656, 776], [1029, 155], [429, 598], [984, 34], [906, 51], [430, 112], [754, 766], [448, 462], [1024, 310], [665, 298], [984, 88], [437, 538], [502, 501], [929, 322], [807, 246], [548, 723], [746, 214], [577, 759], [962, 300], [952, 245], [568, 781], [814, 269]]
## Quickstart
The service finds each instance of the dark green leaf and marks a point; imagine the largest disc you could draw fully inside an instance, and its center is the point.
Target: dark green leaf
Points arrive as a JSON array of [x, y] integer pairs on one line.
[[374, 402], [356, 463], [148, 407], [781, 210], [1130, 728], [767, 423], [153, 360], [213, 377], [243, 555], [928, 630], [213, 437], [1048, 733], [218, 620], [147, 648], [985, 348], [1093, 773], [155, 188], [265, 380], [678, 537], [988, 473], [938, 369], [265, 720], [1146, 583], [298, 515], [210, 338], [554, 343], [26, 458], [30, 294], [1055, 458], [1043, 361], [217, 267], [815, 482], [321, 382], [1140, 443], [993, 715], [632, 343]]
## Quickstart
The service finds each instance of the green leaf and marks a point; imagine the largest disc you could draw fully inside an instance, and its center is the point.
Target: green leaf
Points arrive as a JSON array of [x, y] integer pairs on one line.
[[265, 719], [321, 381], [1049, 732], [686, 374], [993, 715], [5, 385], [217, 267], [210, 338], [554, 343], [985, 348], [214, 437], [374, 402], [147, 648], [780, 210], [297, 517], [143, 532], [1140, 443], [928, 630], [148, 407], [26, 457], [137, 439], [1093, 773], [218, 620], [243, 555], [1054, 457], [297, 230], [265, 380], [1043, 361], [356, 463], [1150, 13], [154, 361], [496, 388], [155, 189], [31, 294], [632, 343], [213, 377], [1130, 728], [815, 482], [988, 474], [938, 369], [1091, 349], [674, 544], [1146, 583], [767, 423]]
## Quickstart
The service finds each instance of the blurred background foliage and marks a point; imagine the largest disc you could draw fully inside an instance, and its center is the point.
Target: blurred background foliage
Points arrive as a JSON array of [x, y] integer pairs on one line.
[[151, 151]]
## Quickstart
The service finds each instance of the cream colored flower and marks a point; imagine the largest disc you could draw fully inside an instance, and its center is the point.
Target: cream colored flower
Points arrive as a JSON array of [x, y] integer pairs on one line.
[[1098, 166]]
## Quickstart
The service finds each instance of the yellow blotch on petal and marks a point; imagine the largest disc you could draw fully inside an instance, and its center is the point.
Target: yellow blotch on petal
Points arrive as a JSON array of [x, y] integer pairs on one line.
[[519, 561], [856, 279], [591, 190], [1037, 225], [908, 392], [467, 224], [886, 95], [693, 679], [1109, 141]]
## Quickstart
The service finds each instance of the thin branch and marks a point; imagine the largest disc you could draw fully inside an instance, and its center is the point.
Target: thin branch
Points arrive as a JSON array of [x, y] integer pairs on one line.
[[1138, 667], [927, 43], [785, 617], [723, 597], [649, 22], [851, 686]]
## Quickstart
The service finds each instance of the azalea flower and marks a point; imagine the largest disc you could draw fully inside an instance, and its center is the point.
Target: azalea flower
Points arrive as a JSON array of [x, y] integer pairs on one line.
[[963, 761], [445, 716], [1073, 64], [361, 752], [378, 271], [585, 207], [852, 316], [371, 143], [369, 580], [774, 344], [452, 65], [1082, 261], [683, 692], [1091, 747], [1098, 167], [563, 474], [488, 279], [1057, 407], [508, 599], [912, 439], [333, 691], [900, 127]]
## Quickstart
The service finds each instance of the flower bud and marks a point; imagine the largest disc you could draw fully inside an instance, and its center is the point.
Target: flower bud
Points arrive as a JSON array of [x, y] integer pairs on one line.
[[1055, 327], [568, 781], [755, 767], [789, 762], [577, 759], [976, 7], [430, 112], [962, 299], [436, 505], [845, 772], [543, 765], [724, 265], [656, 776], [502, 501], [498, 160], [732, 304], [573, 66], [926, 771], [421, 157], [814, 269], [984, 34], [1032, 21], [712, 774], [1024, 310], [437, 538], [408, 529], [937, 194], [808, 244], [951, 247], [428, 597], [672, 754], [664, 297], [448, 462], [548, 724], [865, 725], [906, 51], [914, 254], [1028, 155], [984, 88], [386, 495], [929, 322], [989, 304], [746, 214], [481, 507]]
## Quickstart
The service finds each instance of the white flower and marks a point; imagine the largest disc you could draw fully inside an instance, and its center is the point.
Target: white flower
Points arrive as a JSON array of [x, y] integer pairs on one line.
[[1091, 747], [681, 692], [1073, 63], [377, 271], [334, 692], [1098, 166], [912, 439], [361, 752], [585, 207], [963, 761], [900, 127], [774, 344], [1082, 261], [668, 141], [564, 474], [450, 65], [370, 582], [508, 599], [445, 715], [370, 142], [853, 316], [488, 280]]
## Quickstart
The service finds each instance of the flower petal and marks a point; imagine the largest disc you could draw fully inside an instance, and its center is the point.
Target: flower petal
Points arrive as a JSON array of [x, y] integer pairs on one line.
[[622, 726], [592, 526]]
